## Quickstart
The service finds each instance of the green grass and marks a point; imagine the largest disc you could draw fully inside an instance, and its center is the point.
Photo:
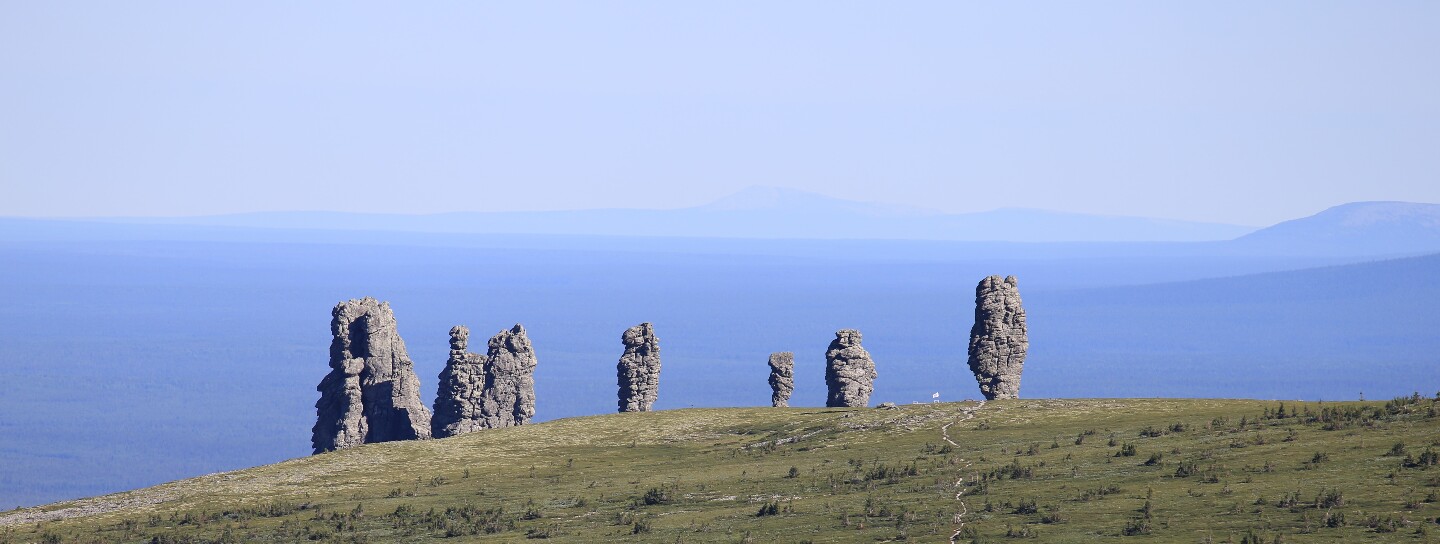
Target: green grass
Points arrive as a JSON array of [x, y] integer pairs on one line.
[[1166, 470]]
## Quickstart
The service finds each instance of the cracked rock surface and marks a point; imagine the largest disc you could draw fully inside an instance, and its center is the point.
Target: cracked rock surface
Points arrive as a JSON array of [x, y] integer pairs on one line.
[[457, 400], [509, 396], [782, 378], [486, 392], [998, 340], [639, 369], [371, 393], [849, 371]]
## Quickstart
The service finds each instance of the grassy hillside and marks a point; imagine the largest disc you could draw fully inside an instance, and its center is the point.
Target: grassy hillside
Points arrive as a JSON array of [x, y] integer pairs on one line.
[[1053, 470]]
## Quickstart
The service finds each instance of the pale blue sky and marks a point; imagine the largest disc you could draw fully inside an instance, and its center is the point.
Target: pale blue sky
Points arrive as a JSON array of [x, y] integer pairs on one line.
[[1242, 112]]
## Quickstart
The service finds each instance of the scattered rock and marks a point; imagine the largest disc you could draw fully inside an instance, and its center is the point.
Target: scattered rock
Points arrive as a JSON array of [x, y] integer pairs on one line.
[[782, 378], [371, 393], [849, 371], [888, 406], [462, 383], [998, 339], [509, 396], [639, 369]]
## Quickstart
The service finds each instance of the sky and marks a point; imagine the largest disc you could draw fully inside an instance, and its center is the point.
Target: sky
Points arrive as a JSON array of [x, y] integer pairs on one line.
[[1236, 112]]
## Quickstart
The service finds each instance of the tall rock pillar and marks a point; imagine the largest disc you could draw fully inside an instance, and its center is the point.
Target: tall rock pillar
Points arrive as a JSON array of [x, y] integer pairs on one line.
[[371, 393], [849, 371], [639, 369], [509, 396], [782, 378], [486, 392], [462, 382], [998, 339]]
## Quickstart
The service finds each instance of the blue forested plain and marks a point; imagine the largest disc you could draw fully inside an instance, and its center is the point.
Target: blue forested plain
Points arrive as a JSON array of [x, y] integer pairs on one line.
[[134, 362]]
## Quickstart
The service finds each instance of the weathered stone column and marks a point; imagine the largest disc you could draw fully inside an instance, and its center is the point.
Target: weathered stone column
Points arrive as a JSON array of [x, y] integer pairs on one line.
[[457, 400], [639, 369], [998, 340], [782, 378], [371, 393], [509, 397], [849, 371]]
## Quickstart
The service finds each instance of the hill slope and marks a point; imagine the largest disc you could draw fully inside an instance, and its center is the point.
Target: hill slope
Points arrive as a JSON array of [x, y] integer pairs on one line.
[[1067, 470]]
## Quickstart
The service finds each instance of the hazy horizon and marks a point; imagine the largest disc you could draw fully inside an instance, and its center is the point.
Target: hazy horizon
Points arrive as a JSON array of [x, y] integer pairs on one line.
[[901, 209]]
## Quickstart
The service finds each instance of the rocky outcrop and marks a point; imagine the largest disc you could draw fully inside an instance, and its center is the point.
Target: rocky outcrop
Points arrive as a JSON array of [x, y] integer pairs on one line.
[[998, 339], [371, 393], [782, 378], [509, 396], [486, 392], [462, 383], [639, 369], [849, 371]]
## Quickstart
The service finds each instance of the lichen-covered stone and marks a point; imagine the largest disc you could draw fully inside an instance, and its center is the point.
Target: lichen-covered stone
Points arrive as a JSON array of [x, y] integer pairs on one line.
[[371, 393], [782, 378], [998, 340], [639, 369], [849, 371]]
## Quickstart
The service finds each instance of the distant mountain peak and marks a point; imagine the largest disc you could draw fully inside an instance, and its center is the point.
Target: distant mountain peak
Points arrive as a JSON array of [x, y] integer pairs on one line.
[[1359, 214], [1373, 227]]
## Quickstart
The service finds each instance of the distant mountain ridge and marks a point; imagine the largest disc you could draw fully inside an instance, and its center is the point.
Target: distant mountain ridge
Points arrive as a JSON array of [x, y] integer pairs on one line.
[[783, 222], [756, 212], [777, 214], [1357, 227]]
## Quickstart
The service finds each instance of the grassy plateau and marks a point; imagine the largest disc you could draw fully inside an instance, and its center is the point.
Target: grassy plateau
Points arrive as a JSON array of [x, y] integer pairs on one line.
[[1065, 470]]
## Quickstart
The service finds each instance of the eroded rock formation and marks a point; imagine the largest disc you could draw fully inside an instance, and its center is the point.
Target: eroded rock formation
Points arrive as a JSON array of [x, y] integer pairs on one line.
[[782, 378], [509, 396], [486, 392], [462, 382], [371, 393], [849, 371], [998, 339], [639, 369]]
